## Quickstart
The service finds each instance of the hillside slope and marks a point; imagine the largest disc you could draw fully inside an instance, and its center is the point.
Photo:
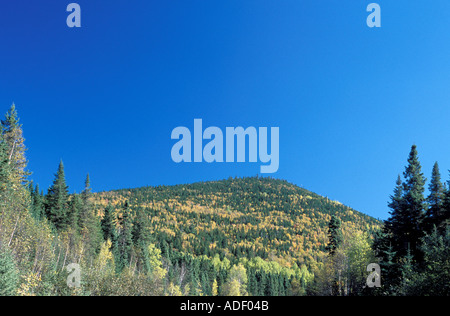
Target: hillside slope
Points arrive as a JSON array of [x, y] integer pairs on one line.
[[242, 217]]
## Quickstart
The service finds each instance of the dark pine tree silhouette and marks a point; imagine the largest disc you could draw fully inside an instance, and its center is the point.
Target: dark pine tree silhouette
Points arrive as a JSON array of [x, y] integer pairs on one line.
[[57, 200]]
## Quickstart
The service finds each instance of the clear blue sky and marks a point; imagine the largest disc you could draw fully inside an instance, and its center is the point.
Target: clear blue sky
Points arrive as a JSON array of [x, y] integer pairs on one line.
[[349, 100]]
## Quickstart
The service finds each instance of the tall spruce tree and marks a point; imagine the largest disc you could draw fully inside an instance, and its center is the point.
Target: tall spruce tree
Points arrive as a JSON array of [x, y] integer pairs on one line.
[[89, 221], [108, 224], [435, 200], [109, 230], [388, 241], [392, 235], [125, 238], [414, 204], [87, 188], [57, 200], [334, 235]]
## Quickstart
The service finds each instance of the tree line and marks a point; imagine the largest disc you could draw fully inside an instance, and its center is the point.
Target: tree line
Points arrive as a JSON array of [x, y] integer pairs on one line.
[[249, 236], [41, 233], [414, 244], [412, 248]]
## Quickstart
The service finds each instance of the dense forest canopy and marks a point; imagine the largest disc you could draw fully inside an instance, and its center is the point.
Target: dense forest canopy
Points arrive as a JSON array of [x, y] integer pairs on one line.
[[240, 217]]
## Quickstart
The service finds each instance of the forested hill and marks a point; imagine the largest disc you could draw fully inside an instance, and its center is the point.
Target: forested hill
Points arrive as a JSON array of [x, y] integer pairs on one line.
[[256, 236], [239, 218], [242, 236]]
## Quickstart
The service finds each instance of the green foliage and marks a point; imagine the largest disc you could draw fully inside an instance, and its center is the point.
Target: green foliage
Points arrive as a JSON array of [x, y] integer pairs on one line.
[[433, 276], [5, 167], [435, 200], [8, 273], [125, 239], [108, 225], [236, 284], [40, 235], [37, 202], [334, 235], [249, 217], [12, 137], [277, 231], [414, 204], [413, 245], [57, 200], [241, 236]]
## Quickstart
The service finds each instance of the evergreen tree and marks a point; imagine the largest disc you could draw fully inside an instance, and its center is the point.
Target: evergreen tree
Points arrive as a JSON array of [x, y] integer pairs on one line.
[[141, 238], [396, 219], [273, 281], [125, 238], [434, 277], [407, 271], [334, 235], [89, 222], [37, 202], [57, 200], [388, 240], [262, 284], [414, 203], [435, 200], [400, 244], [87, 188], [252, 282], [108, 224], [390, 270], [140, 227], [8, 273]]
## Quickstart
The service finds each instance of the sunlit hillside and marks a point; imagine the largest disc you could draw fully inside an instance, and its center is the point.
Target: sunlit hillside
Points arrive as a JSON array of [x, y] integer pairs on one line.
[[243, 217]]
